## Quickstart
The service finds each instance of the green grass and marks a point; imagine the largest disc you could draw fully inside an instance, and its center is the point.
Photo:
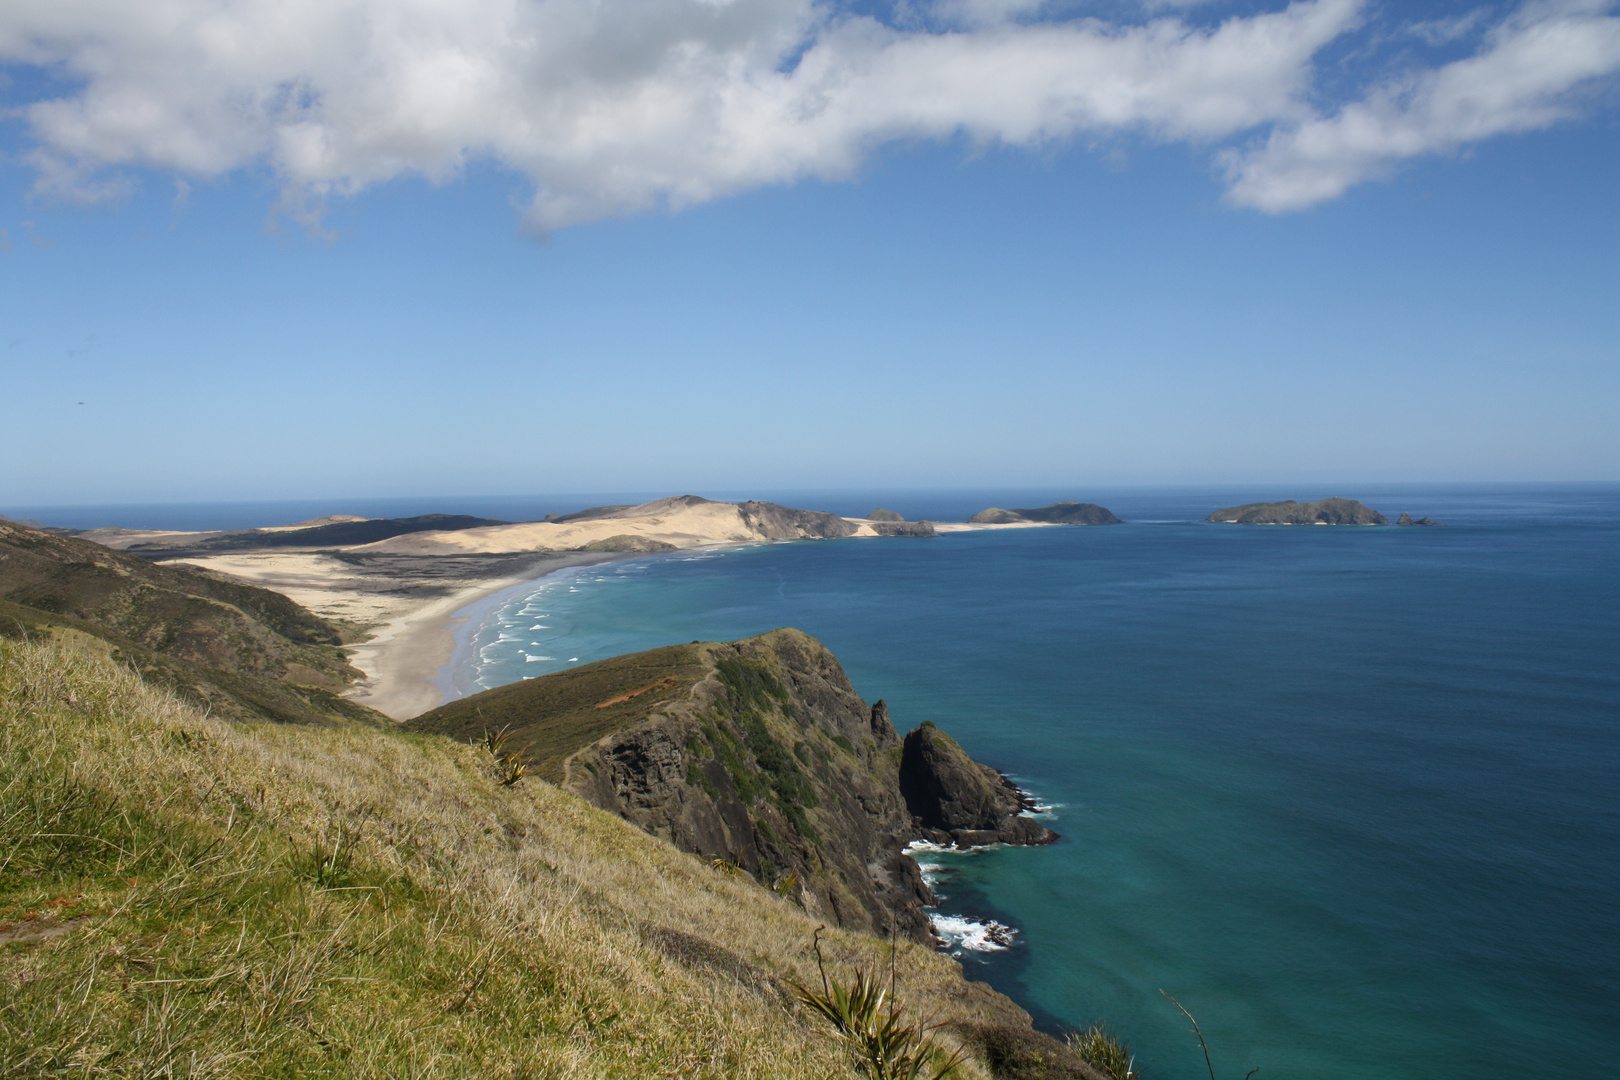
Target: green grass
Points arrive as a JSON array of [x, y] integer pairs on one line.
[[552, 717], [262, 900]]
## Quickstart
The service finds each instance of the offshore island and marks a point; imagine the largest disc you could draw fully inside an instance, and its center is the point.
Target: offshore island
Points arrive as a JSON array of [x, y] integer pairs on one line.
[[1334, 511]]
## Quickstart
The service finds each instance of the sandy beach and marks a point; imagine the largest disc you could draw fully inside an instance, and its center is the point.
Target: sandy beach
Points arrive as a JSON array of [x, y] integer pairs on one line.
[[406, 606]]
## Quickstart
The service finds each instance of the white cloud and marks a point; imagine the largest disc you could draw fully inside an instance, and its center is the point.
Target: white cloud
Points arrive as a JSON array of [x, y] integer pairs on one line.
[[615, 106], [1522, 79]]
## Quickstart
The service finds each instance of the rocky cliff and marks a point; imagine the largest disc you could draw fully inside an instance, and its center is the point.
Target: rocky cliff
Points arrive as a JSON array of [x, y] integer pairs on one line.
[[759, 753], [1327, 512]]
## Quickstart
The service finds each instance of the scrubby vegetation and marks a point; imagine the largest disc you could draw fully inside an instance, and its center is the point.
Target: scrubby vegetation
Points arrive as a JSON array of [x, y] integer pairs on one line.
[[752, 691], [188, 896], [1101, 1047]]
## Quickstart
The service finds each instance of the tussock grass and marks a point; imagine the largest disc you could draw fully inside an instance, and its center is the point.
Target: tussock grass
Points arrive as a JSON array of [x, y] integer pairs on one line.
[[270, 901], [884, 1043], [1102, 1048]]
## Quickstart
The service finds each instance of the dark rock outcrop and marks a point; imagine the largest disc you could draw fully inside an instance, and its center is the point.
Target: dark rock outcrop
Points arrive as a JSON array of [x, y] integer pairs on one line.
[[904, 528], [883, 515], [772, 521], [758, 753], [954, 799], [1406, 519], [785, 523], [1334, 511], [1059, 513]]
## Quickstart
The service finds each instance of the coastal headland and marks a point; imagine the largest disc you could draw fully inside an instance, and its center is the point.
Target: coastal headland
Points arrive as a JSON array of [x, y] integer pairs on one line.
[[759, 753]]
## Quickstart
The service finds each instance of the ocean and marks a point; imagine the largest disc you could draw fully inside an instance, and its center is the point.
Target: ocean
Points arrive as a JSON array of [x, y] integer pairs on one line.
[[1350, 795]]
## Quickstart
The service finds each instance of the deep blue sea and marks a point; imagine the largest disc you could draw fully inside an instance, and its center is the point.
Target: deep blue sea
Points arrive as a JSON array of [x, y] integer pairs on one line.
[[1352, 795]]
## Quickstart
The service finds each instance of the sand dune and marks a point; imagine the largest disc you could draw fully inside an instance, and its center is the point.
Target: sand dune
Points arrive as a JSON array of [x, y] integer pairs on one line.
[[684, 521]]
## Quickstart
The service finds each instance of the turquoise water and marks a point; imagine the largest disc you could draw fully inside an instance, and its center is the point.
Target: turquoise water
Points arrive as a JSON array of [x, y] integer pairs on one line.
[[1349, 794]]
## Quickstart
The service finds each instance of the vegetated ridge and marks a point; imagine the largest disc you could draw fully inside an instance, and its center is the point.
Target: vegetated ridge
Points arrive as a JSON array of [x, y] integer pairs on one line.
[[759, 753], [337, 534], [1059, 513], [219, 643], [1334, 511]]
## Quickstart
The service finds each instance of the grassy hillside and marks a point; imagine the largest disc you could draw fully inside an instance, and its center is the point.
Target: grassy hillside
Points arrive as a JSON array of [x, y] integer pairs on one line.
[[222, 644], [187, 896]]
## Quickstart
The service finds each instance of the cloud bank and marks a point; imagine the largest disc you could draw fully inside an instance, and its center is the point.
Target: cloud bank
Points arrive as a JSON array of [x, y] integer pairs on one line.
[[611, 107]]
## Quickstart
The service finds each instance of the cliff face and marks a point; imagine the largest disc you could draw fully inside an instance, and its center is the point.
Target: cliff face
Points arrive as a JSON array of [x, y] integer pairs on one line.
[[776, 522], [1327, 512], [760, 753], [955, 800]]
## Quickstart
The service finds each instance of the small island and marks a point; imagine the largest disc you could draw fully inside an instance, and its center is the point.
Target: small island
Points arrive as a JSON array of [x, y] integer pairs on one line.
[[1406, 519], [1334, 511], [1059, 513]]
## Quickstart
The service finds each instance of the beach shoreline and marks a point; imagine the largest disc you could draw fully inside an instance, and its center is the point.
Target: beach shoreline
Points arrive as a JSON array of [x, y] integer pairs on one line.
[[406, 659]]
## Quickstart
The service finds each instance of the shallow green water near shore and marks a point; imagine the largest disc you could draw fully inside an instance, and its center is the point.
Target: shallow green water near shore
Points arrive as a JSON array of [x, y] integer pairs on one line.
[[1348, 794]]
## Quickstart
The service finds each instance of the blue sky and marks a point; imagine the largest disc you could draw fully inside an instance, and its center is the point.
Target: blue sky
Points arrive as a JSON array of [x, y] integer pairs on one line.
[[517, 246]]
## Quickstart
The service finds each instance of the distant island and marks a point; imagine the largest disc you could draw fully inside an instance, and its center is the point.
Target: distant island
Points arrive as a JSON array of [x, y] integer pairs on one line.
[[1059, 513], [1406, 519], [1333, 511]]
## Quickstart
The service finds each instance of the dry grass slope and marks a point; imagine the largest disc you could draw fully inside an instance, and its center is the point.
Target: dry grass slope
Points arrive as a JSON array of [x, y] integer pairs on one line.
[[578, 705], [185, 896]]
